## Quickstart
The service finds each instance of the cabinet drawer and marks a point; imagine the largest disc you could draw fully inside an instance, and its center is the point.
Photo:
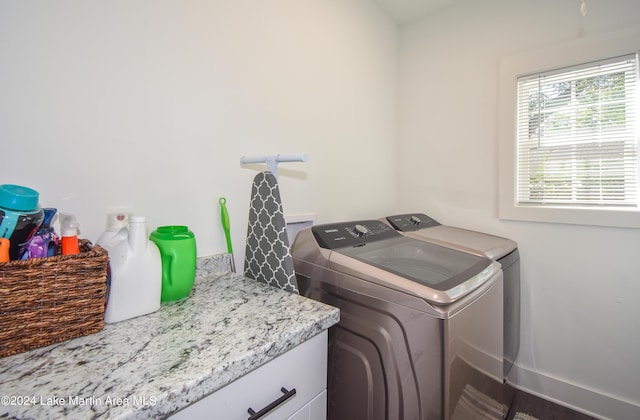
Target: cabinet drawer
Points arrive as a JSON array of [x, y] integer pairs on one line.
[[303, 368]]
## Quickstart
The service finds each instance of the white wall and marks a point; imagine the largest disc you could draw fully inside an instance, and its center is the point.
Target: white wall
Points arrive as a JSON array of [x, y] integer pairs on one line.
[[581, 284], [149, 105]]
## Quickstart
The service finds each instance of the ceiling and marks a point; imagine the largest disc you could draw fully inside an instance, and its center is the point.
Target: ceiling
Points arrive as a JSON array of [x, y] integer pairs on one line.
[[405, 10]]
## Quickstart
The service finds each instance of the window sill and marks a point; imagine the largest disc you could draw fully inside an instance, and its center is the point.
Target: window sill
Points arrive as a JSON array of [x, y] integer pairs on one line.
[[570, 215]]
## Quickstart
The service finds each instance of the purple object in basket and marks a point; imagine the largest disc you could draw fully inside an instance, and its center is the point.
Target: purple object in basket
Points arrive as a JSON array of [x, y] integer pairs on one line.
[[44, 242]]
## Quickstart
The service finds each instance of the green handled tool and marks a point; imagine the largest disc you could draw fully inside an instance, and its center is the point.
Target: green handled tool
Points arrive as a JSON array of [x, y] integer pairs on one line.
[[224, 214]]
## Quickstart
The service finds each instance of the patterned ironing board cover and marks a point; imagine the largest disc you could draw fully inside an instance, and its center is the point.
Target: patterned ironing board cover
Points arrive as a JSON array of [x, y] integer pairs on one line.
[[267, 257]]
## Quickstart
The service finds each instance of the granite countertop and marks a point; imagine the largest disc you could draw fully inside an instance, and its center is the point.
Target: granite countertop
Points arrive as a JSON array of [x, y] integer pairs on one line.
[[154, 365]]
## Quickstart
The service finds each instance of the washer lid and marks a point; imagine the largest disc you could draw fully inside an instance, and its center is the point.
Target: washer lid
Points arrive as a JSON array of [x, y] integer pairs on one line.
[[430, 265], [484, 244], [421, 226], [373, 251]]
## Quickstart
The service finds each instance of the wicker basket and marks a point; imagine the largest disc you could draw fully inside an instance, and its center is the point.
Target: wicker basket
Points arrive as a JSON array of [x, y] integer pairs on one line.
[[49, 300]]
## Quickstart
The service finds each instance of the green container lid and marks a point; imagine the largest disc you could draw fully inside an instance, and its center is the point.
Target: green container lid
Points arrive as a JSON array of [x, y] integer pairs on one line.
[[18, 198], [172, 233]]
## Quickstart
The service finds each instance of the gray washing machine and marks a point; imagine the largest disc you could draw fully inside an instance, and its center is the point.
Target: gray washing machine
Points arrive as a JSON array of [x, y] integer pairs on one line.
[[420, 333], [502, 250]]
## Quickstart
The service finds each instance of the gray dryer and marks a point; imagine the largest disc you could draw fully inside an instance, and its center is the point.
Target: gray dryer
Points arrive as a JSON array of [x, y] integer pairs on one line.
[[503, 250]]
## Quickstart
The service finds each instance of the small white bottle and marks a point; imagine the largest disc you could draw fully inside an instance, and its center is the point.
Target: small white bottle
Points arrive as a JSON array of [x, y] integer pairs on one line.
[[136, 273]]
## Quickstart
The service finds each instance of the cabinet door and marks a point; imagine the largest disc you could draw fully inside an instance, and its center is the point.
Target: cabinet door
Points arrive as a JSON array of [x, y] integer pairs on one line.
[[315, 410], [303, 368]]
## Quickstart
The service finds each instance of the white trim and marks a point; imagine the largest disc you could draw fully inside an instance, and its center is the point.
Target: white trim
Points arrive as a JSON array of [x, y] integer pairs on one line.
[[582, 50], [578, 398]]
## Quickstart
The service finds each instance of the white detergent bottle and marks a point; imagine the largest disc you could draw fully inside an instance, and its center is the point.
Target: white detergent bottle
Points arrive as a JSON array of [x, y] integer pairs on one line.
[[136, 273]]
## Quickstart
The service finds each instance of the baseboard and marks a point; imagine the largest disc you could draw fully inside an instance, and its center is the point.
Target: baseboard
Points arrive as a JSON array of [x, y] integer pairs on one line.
[[578, 398]]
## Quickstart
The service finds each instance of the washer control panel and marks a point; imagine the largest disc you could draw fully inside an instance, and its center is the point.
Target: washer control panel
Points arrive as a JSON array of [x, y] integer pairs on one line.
[[340, 235], [412, 221]]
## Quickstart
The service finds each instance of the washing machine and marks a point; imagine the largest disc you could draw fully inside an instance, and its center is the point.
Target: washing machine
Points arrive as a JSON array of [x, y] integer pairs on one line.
[[420, 334], [502, 250]]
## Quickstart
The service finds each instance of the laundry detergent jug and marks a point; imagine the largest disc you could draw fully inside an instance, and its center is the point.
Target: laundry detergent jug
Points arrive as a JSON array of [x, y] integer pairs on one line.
[[136, 273], [177, 246]]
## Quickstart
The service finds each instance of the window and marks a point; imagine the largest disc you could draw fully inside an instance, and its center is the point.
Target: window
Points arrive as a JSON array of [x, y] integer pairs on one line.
[[568, 117], [577, 135]]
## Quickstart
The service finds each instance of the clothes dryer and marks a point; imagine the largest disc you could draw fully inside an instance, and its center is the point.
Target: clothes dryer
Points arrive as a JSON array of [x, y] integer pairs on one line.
[[420, 331], [503, 250]]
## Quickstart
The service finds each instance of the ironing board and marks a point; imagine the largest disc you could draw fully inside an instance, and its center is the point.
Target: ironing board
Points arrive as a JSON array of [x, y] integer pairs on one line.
[[267, 257]]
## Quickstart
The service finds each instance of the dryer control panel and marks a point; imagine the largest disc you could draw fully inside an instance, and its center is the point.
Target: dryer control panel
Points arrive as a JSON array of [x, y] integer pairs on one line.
[[340, 235], [412, 221]]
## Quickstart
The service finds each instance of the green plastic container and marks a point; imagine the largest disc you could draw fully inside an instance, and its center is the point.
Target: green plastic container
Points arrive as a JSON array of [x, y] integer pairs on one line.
[[177, 246]]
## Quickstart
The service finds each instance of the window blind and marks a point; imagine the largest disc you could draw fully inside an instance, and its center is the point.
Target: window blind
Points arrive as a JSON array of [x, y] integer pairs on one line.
[[577, 135]]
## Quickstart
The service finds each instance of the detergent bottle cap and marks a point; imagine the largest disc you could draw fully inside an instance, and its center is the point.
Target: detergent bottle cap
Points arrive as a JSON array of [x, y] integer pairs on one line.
[[18, 198], [138, 219]]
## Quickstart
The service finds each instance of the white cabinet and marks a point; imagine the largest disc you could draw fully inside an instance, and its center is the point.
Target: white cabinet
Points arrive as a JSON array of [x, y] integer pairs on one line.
[[303, 369]]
